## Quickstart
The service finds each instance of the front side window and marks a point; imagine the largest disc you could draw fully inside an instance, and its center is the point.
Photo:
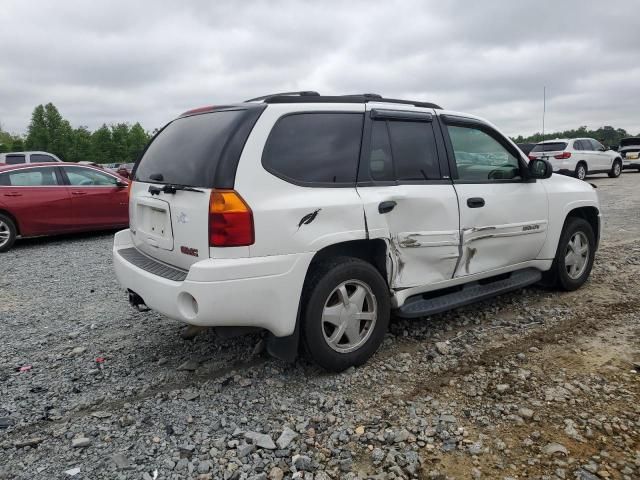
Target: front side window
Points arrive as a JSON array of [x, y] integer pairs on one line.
[[315, 148], [402, 151], [597, 145], [14, 159], [30, 177], [586, 145], [480, 157], [87, 177], [39, 158]]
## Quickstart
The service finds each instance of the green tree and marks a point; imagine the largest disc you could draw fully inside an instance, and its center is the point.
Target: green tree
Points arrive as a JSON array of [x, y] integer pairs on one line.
[[101, 145], [138, 140], [81, 149], [37, 132], [120, 142], [17, 145]]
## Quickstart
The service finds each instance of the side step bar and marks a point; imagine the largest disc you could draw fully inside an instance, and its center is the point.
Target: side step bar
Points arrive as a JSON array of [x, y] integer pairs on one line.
[[418, 306]]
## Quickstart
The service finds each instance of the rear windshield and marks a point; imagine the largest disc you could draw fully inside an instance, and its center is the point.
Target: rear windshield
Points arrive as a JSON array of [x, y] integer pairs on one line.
[[626, 142], [550, 147], [188, 150]]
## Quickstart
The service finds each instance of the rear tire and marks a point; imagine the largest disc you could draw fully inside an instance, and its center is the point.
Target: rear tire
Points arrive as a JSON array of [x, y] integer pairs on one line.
[[573, 262], [345, 313], [8, 233], [616, 169], [581, 171]]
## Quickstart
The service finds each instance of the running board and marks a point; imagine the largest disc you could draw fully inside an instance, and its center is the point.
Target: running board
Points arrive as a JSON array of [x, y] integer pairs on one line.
[[418, 306]]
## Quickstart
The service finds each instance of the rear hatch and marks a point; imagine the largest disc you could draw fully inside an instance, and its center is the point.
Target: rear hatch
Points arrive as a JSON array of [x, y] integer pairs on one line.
[[170, 194], [547, 150]]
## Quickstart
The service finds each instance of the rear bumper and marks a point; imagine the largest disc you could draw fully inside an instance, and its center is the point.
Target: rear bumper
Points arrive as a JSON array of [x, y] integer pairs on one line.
[[254, 292]]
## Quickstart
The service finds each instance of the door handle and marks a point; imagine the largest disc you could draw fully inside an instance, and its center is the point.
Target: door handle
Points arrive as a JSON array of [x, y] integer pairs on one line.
[[475, 202], [78, 193], [13, 194], [386, 207]]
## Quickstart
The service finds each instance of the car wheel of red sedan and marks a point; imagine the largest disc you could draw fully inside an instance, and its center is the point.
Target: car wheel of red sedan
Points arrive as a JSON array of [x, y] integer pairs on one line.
[[8, 233]]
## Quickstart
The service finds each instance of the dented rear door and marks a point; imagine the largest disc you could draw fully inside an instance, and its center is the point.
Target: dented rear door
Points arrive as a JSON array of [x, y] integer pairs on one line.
[[408, 197]]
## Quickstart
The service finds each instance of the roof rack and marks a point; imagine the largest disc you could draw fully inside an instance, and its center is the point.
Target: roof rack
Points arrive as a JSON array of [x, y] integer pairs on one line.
[[303, 93], [315, 97]]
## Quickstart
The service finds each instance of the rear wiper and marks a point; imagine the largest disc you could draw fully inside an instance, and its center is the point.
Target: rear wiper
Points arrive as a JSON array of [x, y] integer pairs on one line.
[[172, 189]]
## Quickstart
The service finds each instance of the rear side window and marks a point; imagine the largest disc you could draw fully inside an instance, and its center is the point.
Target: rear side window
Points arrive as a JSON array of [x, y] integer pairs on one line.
[[187, 151], [315, 148], [39, 157], [402, 151], [30, 177], [14, 159], [550, 147]]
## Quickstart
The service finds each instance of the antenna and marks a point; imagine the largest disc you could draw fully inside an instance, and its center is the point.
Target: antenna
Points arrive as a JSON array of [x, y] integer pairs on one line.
[[544, 108]]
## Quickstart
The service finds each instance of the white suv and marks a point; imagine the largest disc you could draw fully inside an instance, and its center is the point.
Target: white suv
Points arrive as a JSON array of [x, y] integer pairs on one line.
[[314, 217], [17, 158], [578, 157]]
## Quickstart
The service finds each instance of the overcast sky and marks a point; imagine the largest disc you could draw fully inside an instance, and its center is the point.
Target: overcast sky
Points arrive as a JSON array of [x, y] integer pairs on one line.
[[127, 61]]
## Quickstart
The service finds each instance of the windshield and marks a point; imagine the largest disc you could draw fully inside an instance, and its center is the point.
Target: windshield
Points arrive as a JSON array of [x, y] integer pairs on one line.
[[550, 147], [187, 151]]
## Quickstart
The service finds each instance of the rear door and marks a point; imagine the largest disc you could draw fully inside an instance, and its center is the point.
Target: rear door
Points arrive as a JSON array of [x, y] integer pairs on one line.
[[38, 199], [408, 195], [97, 199], [172, 224], [503, 217]]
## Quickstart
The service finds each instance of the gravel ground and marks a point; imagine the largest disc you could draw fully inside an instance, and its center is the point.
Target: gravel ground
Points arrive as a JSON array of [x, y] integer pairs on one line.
[[534, 384]]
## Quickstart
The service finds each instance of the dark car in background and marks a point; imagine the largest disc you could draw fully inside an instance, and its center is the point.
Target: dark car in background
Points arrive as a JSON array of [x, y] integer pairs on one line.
[[629, 150]]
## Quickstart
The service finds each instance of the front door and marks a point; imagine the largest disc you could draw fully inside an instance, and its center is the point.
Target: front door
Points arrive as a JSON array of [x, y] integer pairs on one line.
[[407, 195], [97, 200], [503, 217]]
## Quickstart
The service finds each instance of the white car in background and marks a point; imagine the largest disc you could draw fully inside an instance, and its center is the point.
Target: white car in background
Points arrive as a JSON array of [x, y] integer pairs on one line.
[[578, 157], [17, 158]]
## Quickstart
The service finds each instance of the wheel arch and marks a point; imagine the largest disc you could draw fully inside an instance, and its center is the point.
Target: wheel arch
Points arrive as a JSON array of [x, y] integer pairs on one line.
[[373, 251], [12, 217], [590, 214]]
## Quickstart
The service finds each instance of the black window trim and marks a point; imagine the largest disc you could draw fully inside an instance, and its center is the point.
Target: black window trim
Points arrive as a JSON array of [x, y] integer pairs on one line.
[[390, 115], [459, 121], [315, 184]]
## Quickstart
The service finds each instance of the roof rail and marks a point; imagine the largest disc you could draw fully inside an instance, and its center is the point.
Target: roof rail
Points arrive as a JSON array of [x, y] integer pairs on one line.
[[303, 93], [314, 97]]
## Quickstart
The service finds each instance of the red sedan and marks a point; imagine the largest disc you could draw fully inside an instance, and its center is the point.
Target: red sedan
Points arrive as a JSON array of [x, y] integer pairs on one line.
[[48, 199]]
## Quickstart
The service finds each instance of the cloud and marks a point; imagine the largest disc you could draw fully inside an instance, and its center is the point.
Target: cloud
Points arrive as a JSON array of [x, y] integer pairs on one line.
[[148, 61]]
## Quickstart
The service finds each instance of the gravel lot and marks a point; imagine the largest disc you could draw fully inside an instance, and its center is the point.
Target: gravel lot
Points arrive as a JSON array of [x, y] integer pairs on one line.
[[535, 384]]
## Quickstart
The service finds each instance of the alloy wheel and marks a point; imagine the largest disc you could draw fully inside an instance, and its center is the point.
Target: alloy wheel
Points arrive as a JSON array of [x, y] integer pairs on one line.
[[349, 316], [576, 255], [5, 233]]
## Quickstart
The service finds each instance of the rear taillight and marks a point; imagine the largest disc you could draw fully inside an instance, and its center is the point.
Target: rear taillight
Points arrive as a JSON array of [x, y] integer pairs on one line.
[[563, 155], [230, 220], [532, 157]]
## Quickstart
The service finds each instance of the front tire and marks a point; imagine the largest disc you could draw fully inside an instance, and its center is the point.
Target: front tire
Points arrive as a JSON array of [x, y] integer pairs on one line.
[[575, 255], [616, 169], [581, 171], [8, 233], [345, 313]]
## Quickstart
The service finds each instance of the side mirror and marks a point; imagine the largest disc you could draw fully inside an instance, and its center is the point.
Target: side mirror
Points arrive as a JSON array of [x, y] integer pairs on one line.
[[121, 184], [539, 168]]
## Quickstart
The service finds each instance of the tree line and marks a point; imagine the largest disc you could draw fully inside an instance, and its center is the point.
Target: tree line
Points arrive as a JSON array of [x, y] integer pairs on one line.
[[50, 132], [606, 135]]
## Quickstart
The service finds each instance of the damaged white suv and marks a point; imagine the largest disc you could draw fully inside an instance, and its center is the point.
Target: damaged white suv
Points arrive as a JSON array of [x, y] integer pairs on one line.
[[315, 217]]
